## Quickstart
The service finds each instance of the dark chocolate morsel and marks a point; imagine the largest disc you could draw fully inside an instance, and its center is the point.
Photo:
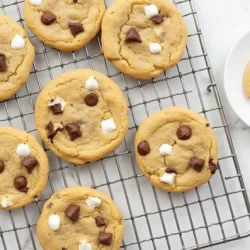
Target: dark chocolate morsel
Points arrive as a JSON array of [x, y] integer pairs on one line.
[[170, 171], [50, 127], [48, 18], [2, 166], [105, 238], [76, 28], [75, 1], [143, 148], [51, 132], [73, 212], [73, 130], [100, 221], [157, 19], [3, 66], [184, 132], [29, 163], [91, 99], [20, 183], [197, 163], [133, 36], [56, 109], [213, 166]]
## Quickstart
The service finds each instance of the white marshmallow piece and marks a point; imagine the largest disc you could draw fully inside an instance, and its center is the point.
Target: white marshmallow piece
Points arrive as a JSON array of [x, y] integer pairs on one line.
[[93, 202], [36, 2], [155, 48], [17, 42], [168, 178], [5, 202], [151, 10], [23, 150], [54, 222], [108, 126], [166, 149], [84, 245], [91, 83], [58, 100]]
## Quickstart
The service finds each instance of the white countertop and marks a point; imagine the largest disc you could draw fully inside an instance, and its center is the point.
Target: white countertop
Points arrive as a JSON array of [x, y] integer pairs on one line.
[[223, 22]]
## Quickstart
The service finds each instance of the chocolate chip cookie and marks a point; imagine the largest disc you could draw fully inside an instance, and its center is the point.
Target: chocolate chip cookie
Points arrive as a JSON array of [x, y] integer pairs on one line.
[[143, 38], [247, 80], [23, 168], [81, 116], [80, 218], [16, 57], [176, 149], [67, 25]]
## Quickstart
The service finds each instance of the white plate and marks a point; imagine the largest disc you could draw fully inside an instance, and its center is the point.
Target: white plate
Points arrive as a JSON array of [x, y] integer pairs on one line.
[[235, 67]]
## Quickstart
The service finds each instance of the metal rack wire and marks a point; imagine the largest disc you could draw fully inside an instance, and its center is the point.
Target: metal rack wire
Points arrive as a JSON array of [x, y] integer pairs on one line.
[[217, 212]]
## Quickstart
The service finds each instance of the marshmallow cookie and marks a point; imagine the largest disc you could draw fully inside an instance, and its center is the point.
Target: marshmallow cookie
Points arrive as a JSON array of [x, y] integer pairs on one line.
[[176, 149], [24, 168], [81, 116], [80, 218], [67, 25], [143, 38], [16, 57]]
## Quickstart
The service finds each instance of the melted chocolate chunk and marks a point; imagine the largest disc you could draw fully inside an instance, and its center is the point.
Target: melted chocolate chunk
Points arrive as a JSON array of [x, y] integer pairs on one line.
[[3, 66], [51, 132], [100, 221], [143, 148], [213, 166], [56, 109], [76, 28], [48, 18], [105, 238], [73, 212], [2, 166], [184, 132], [133, 36], [73, 130], [20, 183], [197, 163], [170, 171], [158, 19], [29, 163]]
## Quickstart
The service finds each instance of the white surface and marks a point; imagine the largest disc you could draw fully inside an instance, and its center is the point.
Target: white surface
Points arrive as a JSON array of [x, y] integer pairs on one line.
[[234, 71], [223, 22]]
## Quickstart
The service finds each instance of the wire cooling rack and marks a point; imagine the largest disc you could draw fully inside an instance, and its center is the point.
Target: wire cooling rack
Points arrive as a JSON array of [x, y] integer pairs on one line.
[[214, 213]]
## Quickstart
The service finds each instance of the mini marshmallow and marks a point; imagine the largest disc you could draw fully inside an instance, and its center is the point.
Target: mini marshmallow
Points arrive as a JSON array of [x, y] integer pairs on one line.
[[91, 83], [84, 245], [151, 10], [155, 48], [54, 222], [36, 2], [166, 149], [23, 150], [5, 202], [58, 100], [108, 126], [17, 42], [93, 202], [168, 178]]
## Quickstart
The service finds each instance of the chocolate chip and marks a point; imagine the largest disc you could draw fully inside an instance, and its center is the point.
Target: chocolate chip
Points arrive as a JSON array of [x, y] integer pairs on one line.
[[73, 212], [2, 166], [100, 221], [184, 132], [20, 183], [207, 125], [143, 148], [105, 238], [75, 1], [50, 127], [48, 18], [213, 166], [29, 163], [76, 28], [3, 66], [157, 19], [91, 99], [170, 171], [64, 248], [74, 130], [51, 132], [197, 163], [56, 109], [133, 36]]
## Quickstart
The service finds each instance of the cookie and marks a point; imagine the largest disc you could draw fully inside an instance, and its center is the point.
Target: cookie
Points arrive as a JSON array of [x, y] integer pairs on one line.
[[143, 38], [247, 81], [176, 149], [81, 116], [16, 57], [80, 218], [24, 168], [67, 25]]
